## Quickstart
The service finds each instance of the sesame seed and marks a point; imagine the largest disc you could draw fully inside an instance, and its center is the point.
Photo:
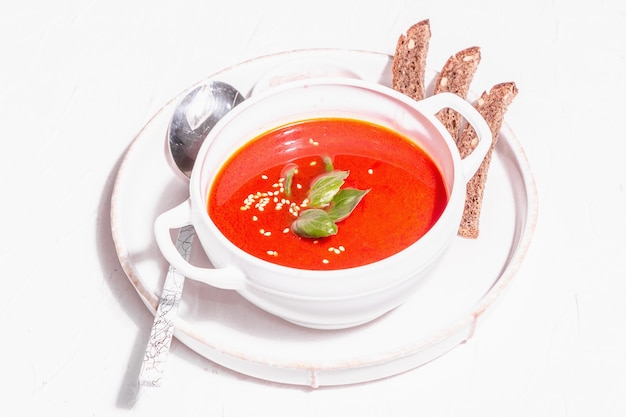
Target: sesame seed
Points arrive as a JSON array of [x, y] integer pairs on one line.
[[370, 171], [286, 230], [293, 209], [299, 186], [325, 261], [272, 253], [341, 248], [337, 251], [254, 218], [264, 176]]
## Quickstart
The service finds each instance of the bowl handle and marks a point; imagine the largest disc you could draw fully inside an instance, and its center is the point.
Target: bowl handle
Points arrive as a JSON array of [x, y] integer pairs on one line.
[[437, 102], [228, 278]]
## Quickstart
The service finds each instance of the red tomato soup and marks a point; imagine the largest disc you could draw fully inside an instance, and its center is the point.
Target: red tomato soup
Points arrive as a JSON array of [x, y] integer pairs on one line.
[[406, 196]]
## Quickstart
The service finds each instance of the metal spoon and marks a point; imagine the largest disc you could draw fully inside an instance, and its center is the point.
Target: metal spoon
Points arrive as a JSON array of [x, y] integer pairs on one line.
[[195, 115]]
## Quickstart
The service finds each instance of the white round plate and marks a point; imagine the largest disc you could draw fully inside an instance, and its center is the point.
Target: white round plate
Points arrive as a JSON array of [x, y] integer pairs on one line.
[[223, 327]]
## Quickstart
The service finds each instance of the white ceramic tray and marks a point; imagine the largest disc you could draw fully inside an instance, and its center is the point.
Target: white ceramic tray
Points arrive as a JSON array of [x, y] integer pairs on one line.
[[225, 328]]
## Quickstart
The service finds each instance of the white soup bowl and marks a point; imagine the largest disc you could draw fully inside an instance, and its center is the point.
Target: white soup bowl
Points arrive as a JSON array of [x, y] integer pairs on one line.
[[325, 299]]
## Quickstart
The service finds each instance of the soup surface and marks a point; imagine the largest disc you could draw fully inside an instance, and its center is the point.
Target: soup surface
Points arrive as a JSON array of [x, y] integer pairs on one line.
[[254, 204]]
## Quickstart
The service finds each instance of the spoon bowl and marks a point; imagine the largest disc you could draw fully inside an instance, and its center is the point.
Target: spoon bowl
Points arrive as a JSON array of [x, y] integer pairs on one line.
[[194, 117]]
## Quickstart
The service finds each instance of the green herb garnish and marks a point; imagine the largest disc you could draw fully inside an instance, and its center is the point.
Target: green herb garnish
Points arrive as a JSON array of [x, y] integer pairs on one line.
[[328, 163], [344, 203], [329, 204], [325, 187], [314, 223], [287, 173]]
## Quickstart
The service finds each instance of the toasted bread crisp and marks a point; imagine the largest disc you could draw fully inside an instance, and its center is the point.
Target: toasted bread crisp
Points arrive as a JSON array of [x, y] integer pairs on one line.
[[456, 77], [409, 64], [492, 106]]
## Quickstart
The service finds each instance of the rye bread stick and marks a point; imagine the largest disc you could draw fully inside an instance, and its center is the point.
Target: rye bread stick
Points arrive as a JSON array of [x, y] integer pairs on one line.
[[455, 77], [492, 106], [409, 64]]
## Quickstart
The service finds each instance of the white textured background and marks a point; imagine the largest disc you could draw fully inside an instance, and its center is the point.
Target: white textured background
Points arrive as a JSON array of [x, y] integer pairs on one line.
[[78, 79]]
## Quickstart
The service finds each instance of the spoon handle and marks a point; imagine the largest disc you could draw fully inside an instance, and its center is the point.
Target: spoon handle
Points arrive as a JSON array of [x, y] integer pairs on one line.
[[158, 347]]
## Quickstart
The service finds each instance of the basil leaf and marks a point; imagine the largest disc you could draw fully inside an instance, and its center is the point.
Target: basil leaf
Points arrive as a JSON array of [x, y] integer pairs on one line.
[[314, 223], [328, 163], [325, 187], [287, 173], [344, 203]]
